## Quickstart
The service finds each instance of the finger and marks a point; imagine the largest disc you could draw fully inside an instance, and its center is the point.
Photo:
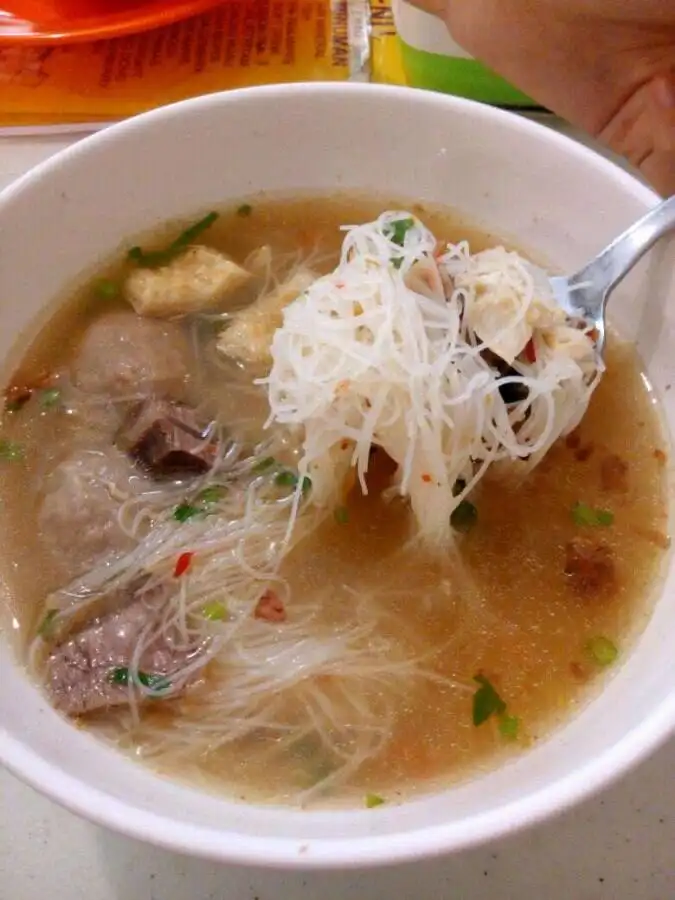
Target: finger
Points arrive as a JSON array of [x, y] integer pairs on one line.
[[659, 170], [659, 166], [643, 131], [663, 98]]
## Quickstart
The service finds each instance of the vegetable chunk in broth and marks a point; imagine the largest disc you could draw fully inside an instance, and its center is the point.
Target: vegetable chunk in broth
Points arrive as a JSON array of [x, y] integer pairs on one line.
[[314, 515]]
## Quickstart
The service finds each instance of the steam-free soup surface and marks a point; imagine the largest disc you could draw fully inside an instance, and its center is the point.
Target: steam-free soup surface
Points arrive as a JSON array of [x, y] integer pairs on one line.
[[548, 584]]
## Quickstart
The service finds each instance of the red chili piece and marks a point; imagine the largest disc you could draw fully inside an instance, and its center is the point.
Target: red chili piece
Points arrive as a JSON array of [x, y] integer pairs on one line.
[[182, 564]]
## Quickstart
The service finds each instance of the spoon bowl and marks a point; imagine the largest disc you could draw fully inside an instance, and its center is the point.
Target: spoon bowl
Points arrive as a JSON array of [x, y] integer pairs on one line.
[[584, 295]]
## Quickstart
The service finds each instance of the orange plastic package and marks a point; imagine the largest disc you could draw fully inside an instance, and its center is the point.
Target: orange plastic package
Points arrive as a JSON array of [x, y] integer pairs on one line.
[[241, 43]]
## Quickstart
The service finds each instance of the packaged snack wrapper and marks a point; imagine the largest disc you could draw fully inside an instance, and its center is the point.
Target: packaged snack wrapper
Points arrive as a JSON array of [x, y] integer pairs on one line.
[[241, 43]]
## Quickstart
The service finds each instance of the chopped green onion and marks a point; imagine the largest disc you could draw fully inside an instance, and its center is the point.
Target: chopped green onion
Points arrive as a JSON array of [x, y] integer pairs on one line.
[[45, 625], [155, 258], [50, 397], [214, 611], [508, 726], [342, 515], [245, 210], [464, 516], [486, 701], [211, 494], [397, 230], [185, 511], [586, 515], [155, 682], [373, 800], [264, 464], [106, 289], [286, 478], [602, 650], [10, 451]]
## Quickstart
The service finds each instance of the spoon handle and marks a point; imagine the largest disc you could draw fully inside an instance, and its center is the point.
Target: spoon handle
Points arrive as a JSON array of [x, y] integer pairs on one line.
[[624, 252]]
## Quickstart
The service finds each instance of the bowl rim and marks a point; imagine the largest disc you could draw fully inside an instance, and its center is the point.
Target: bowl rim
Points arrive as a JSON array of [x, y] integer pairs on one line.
[[344, 852]]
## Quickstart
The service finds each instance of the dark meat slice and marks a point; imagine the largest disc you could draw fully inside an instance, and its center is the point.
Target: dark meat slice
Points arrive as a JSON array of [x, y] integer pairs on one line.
[[513, 392], [614, 474], [165, 438], [589, 565], [80, 670]]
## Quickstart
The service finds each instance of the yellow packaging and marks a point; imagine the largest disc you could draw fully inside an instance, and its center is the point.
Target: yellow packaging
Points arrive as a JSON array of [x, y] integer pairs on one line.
[[241, 43]]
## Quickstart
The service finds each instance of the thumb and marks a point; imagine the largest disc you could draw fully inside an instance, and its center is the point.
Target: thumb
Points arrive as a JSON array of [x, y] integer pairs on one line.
[[643, 131], [663, 93]]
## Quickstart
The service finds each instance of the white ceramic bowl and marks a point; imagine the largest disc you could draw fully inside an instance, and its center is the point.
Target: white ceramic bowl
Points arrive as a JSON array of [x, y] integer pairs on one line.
[[517, 178]]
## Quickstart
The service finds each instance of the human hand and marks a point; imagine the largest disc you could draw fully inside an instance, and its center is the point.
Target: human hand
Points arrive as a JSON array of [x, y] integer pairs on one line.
[[606, 66]]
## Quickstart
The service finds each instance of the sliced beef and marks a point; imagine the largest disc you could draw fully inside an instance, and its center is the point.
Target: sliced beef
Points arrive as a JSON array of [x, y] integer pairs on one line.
[[614, 474], [166, 439], [80, 670], [589, 564]]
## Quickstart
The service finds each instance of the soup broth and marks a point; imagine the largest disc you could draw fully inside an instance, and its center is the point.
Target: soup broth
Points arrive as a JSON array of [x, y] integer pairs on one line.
[[548, 583]]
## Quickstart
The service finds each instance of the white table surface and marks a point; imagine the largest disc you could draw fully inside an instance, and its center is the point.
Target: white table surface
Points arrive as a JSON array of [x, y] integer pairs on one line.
[[618, 846]]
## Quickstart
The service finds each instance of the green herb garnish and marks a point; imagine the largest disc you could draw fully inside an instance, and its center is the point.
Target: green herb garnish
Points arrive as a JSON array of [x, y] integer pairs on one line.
[[373, 800], [50, 398], [509, 726], [286, 478], [214, 611], [211, 494], [185, 511], [264, 464], [586, 515], [10, 451], [154, 682], [464, 516], [341, 515], [245, 210], [155, 258], [486, 701], [603, 651], [397, 230], [105, 289], [45, 626]]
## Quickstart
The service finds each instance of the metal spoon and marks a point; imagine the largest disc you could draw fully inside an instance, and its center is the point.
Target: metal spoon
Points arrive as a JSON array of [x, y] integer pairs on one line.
[[585, 294]]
